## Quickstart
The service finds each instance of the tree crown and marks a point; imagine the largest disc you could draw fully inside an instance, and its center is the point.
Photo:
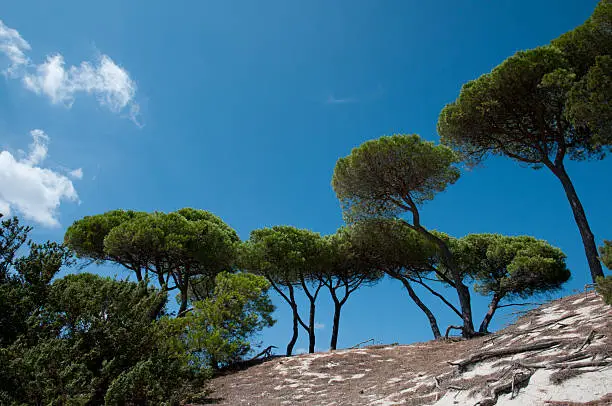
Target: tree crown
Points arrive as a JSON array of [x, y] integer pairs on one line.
[[392, 174]]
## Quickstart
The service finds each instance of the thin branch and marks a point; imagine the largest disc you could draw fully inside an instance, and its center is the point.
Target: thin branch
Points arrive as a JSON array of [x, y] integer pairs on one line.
[[441, 297]]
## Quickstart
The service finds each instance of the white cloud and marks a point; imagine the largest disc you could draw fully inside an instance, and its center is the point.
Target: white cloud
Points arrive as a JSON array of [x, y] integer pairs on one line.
[[76, 174], [14, 48], [104, 79], [110, 83], [31, 190], [319, 326], [38, 148]]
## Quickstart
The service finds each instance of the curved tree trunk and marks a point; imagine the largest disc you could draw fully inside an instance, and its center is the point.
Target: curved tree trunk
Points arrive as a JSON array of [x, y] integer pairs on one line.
[[138, 274], [430, 316], [463, 291], [310, 328], [484, 326], [296, 316], [184, 301], [296, 332], [294, 310], [588, 240]]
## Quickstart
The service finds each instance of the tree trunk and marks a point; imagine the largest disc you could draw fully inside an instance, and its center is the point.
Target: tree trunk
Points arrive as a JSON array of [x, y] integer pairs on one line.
[[432, 319], [588, 240], [184, 300], [163, 285], [484, 326], [463, 291], [311, 328], [296, 331], [138, 275], [336, 326]]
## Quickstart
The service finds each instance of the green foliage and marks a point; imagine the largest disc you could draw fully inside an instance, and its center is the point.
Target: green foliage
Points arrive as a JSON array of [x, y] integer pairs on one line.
[[541, 104], [605, 252], [94, 338], [519, 266], [219, 328], [166, 241], [284, 254], [391, 245], [24, 280], [540, 107], [392, 175], [349, 261], [517, 110], [86, 236], [604, 288], [590, 99], [24, 285], [12, 237], [183, 249], [588, 49], [582, 45]]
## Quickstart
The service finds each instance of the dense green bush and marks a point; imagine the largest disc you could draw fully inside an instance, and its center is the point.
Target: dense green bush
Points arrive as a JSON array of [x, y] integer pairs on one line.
[[96, 340], [217, 331]]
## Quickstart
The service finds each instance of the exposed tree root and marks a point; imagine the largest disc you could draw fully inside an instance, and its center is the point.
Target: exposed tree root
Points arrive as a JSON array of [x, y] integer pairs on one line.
[[481, 356], [519, 380]]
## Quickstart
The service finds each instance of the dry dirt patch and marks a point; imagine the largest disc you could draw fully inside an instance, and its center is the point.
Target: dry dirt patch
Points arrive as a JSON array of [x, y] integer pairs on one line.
[[560, 352]]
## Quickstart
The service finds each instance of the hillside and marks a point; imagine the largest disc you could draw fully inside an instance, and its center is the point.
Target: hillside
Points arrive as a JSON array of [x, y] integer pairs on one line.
[[557, 354]]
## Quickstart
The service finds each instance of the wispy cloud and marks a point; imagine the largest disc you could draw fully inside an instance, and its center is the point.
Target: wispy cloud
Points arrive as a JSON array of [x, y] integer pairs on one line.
[[108, 82], [35, 192], [343, 100], [14, 48], [319, 326], [363, 97], [76, 174]]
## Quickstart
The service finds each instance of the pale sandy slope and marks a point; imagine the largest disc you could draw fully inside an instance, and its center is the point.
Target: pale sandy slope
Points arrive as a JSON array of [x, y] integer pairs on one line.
[[555, 355]]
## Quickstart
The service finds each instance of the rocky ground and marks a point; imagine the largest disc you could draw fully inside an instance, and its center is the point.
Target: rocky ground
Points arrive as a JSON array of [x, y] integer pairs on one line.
[[557, 354]]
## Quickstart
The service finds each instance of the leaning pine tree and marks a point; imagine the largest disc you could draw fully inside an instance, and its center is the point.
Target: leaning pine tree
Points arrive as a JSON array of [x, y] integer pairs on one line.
[[394, 175], [541, 107]]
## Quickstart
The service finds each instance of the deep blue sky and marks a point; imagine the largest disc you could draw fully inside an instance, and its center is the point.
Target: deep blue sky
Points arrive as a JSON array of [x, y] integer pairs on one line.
[[247, 106]]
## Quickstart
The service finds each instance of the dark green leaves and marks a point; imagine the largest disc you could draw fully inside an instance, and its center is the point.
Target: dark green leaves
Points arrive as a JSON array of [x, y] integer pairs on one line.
[[510, 266], [516, 110], [391, 175], [605, 252], [284, 253], [541, 104], [219, 328]]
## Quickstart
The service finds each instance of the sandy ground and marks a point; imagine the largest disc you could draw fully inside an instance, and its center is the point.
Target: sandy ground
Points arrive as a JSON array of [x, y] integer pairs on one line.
[[558, 354]]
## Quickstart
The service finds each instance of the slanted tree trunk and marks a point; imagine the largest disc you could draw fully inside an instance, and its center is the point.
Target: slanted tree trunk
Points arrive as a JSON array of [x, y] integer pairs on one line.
[[312, 298], [184, 300], [294, 311], [296, 316], [138, 274], [588, 240], [484, 326], [463, 291], [430, 316]]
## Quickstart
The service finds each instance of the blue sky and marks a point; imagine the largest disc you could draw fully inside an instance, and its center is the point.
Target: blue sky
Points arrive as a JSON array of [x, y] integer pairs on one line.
[[242, 108]]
